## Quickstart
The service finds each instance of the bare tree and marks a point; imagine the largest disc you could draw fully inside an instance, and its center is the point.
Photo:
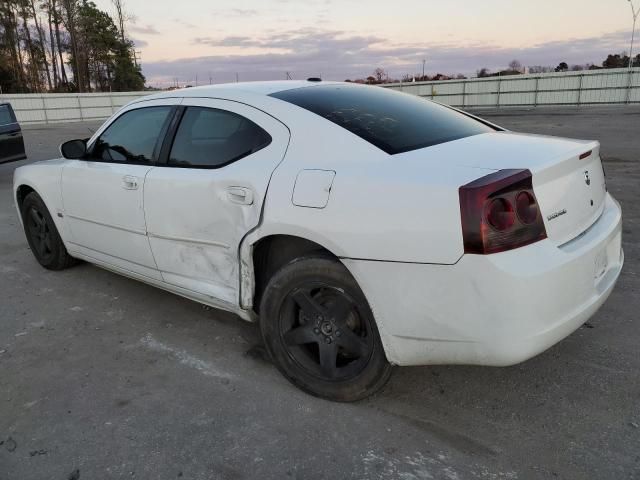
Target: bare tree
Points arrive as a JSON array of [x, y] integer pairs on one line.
[[379, 74], [52, 45], [34, 74], [540, 69], [10, 44], [122, 17], [70, 12], [56, 24], [42, 41], [515, 66]]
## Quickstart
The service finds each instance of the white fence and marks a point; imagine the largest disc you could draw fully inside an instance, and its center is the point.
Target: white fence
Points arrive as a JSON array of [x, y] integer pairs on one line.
[[67, 107], [593, 87], [590, 87]]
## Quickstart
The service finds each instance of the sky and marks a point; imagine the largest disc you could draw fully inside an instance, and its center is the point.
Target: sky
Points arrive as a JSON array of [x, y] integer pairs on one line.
[[221, 40]]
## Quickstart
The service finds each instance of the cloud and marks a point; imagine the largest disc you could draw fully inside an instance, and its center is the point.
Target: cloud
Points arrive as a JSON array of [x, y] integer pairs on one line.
[[238, 12], [233, 41], [338, 55], [144, 30], [139, 43], [308, 2], [308, 39], [183, 22]]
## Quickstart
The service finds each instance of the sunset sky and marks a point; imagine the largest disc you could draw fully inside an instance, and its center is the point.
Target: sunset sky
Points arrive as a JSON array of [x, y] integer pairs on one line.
[[339, 39]]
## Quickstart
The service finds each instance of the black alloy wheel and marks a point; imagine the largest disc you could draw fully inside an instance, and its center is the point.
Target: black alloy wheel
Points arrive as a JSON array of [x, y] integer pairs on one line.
[[324, 332], [319, 330], [42, 234]]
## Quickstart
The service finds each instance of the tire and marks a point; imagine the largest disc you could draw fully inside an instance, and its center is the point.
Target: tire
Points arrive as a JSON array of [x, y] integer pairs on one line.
[[42, 234], [320, 331]]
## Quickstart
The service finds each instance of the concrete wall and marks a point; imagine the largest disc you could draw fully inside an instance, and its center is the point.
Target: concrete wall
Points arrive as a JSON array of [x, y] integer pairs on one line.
[[67, 107], [614, 86], [592, 87]]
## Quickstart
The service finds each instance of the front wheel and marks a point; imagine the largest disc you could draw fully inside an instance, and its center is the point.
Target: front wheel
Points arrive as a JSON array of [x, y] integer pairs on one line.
[[42, 234], [320, 331]]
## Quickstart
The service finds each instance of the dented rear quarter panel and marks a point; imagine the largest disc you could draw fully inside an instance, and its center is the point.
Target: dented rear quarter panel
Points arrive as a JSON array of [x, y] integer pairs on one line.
[[383, 207]]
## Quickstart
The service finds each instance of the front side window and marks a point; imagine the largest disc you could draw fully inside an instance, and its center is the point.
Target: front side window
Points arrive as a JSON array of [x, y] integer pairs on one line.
[[392, 121], [133, 137], [5, 115], [212, 138]]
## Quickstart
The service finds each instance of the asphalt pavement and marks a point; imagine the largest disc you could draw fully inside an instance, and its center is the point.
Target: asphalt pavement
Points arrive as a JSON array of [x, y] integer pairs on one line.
[[102, 377]]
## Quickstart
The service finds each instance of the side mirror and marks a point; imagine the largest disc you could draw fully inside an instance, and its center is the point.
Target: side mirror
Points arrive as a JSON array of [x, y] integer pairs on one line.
[[74, 149]]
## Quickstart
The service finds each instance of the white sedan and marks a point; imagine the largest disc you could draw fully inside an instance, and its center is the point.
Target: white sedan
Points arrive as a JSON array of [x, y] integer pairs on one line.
[[362, 227]]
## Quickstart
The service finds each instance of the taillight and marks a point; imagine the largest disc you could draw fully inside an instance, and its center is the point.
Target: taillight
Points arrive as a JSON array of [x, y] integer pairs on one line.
[[500, 212], [526, 207]]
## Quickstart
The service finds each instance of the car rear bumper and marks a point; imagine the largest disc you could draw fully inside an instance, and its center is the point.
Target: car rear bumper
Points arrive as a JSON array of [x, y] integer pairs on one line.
[[498, 309]]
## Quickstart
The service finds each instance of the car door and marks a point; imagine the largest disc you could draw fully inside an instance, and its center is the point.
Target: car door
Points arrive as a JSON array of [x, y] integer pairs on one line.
[[103, 194], [11, 141], [209, 194]]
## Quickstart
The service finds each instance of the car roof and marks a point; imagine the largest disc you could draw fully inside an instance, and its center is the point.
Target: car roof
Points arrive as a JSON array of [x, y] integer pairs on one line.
[[234, 90]]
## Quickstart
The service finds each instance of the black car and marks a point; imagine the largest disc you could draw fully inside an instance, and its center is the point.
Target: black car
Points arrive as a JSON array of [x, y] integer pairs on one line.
[[11, 142]]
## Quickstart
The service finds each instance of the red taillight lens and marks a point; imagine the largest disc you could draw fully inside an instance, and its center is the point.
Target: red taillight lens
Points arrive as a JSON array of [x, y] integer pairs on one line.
[[500, 212], [526, 208]]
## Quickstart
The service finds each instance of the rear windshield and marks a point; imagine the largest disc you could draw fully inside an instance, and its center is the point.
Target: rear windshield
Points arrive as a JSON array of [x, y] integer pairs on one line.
[[392, 121]]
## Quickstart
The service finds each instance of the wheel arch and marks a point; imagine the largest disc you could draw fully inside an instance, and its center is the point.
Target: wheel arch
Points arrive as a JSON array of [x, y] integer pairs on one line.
[[307, 242], [21, 192], [44, 180], [269, 253]]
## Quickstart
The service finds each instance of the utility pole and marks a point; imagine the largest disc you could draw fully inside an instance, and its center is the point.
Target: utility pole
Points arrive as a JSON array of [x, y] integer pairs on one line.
[[237, 77], [635, 13], [196, 79], [210, 79], [424, 61]]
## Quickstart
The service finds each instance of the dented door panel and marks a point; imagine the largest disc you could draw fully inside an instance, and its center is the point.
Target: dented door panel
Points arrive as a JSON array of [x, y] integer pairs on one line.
[[196, 218]]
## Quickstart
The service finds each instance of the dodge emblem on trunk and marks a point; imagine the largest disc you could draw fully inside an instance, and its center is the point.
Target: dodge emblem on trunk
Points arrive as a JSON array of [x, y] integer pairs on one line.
[[587, 180]]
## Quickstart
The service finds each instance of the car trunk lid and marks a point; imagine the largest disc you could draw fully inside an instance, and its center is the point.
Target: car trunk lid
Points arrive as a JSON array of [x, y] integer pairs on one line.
[[568, 179]]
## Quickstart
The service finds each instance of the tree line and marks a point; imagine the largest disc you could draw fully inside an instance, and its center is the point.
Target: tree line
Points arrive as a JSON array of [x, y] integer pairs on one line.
[[65, 46], [618, 60]]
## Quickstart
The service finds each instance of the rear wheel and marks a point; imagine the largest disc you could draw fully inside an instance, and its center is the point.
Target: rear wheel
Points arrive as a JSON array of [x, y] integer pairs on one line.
[[320, 331], [42, 234]]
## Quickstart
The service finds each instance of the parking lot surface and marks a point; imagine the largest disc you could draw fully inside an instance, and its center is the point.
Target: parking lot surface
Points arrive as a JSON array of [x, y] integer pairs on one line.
[[103, 377]]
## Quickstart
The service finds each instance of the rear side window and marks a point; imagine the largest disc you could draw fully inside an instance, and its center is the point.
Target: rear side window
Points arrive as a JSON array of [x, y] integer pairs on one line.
[[5, 115], [212, 138], [392, 121], [133, 136]]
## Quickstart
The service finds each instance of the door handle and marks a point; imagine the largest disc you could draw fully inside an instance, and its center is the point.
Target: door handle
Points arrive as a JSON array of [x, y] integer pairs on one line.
[[240, 195], [129, 182]]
